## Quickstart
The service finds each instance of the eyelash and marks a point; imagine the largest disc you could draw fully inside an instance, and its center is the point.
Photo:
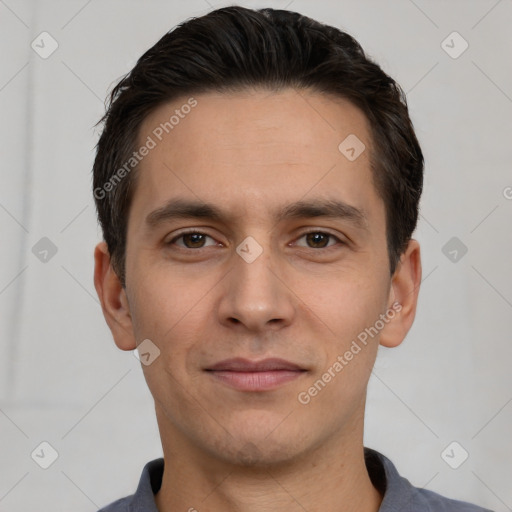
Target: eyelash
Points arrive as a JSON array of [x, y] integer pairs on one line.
[[193, 231]]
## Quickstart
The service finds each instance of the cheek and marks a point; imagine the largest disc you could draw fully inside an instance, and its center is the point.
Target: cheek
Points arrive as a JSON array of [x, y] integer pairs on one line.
[[344, 331], [344, 303], [161, 301], [174, 315]]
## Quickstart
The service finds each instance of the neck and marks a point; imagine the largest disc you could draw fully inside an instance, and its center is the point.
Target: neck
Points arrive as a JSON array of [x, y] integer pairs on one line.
[[333, 477]]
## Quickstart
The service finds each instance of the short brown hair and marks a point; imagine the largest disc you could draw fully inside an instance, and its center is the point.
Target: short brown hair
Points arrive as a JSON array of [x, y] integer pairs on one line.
[[233, 48]]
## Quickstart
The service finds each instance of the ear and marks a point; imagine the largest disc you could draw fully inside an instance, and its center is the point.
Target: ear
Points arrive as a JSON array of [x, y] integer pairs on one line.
[[114, 301], [404, 290]]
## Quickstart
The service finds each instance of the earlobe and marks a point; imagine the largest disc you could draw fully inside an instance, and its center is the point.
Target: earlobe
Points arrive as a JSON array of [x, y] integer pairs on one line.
[[405, 285], [114, 301]]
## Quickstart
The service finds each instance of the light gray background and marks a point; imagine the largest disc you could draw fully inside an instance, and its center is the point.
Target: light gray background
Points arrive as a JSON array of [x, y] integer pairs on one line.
[[62, 379]]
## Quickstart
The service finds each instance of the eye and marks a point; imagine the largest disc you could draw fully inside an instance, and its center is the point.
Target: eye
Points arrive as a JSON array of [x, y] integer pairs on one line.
[[318, 239], [197, 240], [191, 240]]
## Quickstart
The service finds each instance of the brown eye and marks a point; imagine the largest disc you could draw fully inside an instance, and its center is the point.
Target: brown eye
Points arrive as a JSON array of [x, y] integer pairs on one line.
[[318, 239], [191, 240]]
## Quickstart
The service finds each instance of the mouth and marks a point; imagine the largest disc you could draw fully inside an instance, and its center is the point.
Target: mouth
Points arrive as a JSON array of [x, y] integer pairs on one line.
[[246, 375]]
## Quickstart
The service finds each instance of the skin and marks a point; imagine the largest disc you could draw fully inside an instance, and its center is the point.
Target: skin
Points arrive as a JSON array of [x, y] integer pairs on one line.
[[303, 300]]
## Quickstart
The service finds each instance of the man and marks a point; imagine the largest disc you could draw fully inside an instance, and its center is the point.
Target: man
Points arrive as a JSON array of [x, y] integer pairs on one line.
[[257, 182]]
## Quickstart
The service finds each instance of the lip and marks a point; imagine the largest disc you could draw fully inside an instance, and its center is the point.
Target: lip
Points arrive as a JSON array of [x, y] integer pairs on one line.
[[245, 375], [238, 364]]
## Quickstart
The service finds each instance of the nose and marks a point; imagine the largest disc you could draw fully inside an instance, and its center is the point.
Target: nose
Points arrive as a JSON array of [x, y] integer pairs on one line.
[[256, 295]]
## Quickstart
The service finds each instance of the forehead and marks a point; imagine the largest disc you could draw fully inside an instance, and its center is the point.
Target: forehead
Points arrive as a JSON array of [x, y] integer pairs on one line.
[[254, 151], [283, 120]]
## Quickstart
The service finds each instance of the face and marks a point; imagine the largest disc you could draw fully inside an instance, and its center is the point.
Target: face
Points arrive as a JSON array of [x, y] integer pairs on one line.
[[257, 313]]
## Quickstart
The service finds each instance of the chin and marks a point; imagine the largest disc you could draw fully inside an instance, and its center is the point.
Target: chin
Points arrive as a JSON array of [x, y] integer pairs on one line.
[[262, 440], [258, 455]]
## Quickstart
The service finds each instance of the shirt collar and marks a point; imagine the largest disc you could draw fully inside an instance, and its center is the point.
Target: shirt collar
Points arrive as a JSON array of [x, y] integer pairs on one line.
[[383, 474]]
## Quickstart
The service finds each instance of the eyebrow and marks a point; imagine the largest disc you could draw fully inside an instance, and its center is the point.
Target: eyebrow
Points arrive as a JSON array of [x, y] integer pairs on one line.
[[329, 208]]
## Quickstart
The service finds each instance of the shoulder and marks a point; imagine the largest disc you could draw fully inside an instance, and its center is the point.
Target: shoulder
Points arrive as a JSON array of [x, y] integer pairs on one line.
[[120, 505], [144, 498], [400, 494], [434, 502]]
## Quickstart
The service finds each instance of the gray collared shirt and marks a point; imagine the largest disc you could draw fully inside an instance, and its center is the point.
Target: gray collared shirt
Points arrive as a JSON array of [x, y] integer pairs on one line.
[[399, 494]]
